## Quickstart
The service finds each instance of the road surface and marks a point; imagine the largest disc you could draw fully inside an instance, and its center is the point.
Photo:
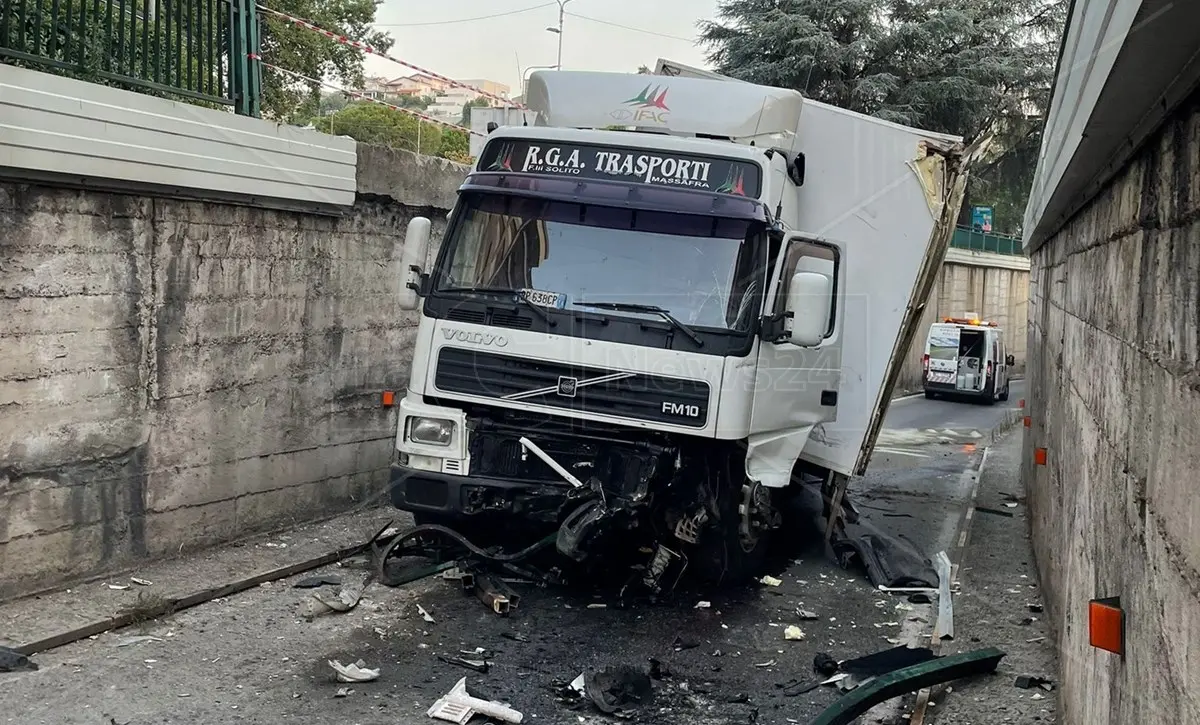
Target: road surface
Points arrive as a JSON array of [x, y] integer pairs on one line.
[[252, 658]]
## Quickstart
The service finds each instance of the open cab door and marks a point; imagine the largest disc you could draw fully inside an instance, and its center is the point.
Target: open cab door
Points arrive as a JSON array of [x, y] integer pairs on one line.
[[799, 357]]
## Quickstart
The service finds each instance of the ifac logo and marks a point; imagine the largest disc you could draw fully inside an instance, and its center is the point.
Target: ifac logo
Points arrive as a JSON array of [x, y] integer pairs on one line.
[[648, 106]]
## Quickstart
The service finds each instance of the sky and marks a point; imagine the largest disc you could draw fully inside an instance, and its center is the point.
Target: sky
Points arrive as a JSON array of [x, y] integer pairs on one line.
[[441, 37]]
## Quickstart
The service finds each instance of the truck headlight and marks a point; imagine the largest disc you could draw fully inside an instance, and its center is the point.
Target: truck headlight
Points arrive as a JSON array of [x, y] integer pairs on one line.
[[430, 431]]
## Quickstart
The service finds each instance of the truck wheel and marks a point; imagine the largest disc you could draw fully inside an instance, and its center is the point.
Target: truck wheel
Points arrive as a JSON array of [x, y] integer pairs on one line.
[[1004, 393], [930, 395], [734, 549], [989, 393]]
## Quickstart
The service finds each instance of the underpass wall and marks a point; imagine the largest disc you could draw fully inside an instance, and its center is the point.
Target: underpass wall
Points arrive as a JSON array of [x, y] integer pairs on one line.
[[1114, 398], [177, 373]]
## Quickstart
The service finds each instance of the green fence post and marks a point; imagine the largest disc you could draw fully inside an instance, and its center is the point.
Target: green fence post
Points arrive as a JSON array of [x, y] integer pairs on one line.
[[243, 40]]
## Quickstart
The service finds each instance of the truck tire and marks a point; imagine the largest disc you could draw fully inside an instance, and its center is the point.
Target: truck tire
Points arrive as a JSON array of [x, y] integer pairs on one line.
[[727, 558], [930, 395], [989, 393], [1004, 393]]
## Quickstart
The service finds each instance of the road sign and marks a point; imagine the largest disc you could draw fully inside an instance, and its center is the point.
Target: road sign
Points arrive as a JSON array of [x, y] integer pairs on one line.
[[981, 218]]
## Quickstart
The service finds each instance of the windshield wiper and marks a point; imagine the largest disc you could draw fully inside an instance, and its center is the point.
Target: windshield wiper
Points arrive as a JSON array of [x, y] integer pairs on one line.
[[649, 309], [510, 293]]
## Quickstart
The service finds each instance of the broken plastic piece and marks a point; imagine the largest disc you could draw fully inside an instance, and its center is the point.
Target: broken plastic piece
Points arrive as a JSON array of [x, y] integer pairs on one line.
[[425, 615], [356, 672], [613, 688], [771, 581], [793, 633], [140, 582], [1028, 682], [481, 666], [458, 707], [804, 614], [908, 679]]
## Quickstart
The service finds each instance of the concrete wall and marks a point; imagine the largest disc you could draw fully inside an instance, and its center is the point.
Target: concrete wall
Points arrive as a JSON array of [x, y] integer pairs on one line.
[[994, 285], [176, 373], [1114, 344]]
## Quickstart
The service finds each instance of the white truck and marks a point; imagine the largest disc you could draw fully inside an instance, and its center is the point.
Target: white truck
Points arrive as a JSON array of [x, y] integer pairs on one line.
[[965, 357], [662, 306]]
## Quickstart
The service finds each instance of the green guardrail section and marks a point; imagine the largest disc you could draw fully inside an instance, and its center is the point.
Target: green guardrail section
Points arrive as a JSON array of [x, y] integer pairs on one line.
[[195, 50], [977, 241]]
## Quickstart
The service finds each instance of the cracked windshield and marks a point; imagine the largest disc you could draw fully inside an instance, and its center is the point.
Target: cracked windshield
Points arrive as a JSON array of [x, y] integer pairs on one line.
[[341, 383], [699, 269]]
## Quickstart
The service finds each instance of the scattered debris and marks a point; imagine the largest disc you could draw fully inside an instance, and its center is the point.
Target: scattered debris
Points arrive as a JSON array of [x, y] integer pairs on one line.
[[357, 672], [994, 512], [658, 671], [1035, 608], [793, 633], [768, 663], [458, 706], [313, 582], [945, 618], [137, 639], [806, 615], [597, 605], [118, 587], [347, 598], [771, 581], [514, 636], [481, 666], [824, 664], [613, 689], [682, 643], [13, 661], [703, 605], [908, 679], [496, 594], [1010, 505], [425, 615], [343, 692], [141, 582], [1037, 696], [1028, 682], [919, 598]]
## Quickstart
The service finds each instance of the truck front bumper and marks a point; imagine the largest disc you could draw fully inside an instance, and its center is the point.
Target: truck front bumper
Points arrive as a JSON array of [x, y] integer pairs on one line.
[[460, 497]]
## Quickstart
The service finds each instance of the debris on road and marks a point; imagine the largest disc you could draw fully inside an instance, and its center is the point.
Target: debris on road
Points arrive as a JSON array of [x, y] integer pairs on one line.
[[343, 692], [793, 633], [771, 581], [806, 615], [614, 689], [824, 664], [514, 636], [356, 672], [313, 582], [481, 665], [118, 587], [13, 661], [425, 615], [458, 706], [994, 512], [703, 604], [1028, 682], [915, 677], [137, 639], [140, 582], [346, 599]]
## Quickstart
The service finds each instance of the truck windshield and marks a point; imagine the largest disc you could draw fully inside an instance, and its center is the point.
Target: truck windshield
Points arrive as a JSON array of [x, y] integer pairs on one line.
[[701, 270]]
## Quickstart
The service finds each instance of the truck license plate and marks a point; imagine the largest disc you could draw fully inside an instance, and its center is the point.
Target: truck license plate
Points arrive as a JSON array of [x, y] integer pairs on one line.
[[544, 299]]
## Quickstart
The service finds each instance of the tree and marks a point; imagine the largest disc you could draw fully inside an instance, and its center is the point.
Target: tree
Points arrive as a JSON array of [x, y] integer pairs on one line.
[[313, 55], [976, 68], [374, 123], [466, 111], [455, 146]]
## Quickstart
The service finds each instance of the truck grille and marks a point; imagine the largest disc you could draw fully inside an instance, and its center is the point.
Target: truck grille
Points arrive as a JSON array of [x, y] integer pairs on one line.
[[573, 387]]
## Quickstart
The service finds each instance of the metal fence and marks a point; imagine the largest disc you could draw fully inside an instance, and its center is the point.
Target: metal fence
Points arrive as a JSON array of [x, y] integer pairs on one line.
[[198, 50], [977, 241]]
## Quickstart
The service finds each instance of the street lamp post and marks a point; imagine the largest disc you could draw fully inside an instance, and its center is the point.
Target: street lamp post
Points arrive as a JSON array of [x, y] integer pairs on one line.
[[562, 11]]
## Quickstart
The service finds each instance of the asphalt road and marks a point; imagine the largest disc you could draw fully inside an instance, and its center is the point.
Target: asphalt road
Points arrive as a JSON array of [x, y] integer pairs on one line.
[[252, 658]]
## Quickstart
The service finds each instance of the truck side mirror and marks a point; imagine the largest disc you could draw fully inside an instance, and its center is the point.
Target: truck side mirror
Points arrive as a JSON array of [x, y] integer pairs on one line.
[[809, 297], [1009, 360], [412, 258]]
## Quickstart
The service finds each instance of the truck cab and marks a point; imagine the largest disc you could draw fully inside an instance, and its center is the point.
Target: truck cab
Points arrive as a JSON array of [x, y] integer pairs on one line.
[[966, 358]]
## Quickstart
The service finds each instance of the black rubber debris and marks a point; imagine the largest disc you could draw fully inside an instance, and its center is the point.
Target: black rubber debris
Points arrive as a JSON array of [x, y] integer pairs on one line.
[[617, 688], [1028, 682], [313, 582], [888, 660], [13, 661], [824, 664]]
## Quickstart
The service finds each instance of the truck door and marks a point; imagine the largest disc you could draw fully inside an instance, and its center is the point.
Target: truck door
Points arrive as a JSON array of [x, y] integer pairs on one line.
[[941, 351], [796, 386]]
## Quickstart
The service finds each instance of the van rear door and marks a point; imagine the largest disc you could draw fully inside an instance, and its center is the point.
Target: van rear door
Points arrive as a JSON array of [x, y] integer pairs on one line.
[[942, 349]]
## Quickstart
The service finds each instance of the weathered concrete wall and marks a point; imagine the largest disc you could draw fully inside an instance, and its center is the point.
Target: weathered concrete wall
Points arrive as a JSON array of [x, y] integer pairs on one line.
[[994, 285], [177, 373], [1114, 343]]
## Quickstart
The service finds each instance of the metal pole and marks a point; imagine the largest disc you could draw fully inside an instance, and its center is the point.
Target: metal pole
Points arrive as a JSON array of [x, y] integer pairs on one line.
[[562, 5]]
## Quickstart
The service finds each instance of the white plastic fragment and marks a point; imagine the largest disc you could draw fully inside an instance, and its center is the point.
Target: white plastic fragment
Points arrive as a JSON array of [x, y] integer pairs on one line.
[[793, 633], [356, 672]]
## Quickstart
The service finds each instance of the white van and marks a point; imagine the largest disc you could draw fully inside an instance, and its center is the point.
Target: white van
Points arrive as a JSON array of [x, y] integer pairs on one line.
[[966, 357]]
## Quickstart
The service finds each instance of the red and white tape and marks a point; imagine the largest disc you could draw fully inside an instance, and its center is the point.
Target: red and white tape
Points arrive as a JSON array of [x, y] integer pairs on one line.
[[301, 22], [365, 97]]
